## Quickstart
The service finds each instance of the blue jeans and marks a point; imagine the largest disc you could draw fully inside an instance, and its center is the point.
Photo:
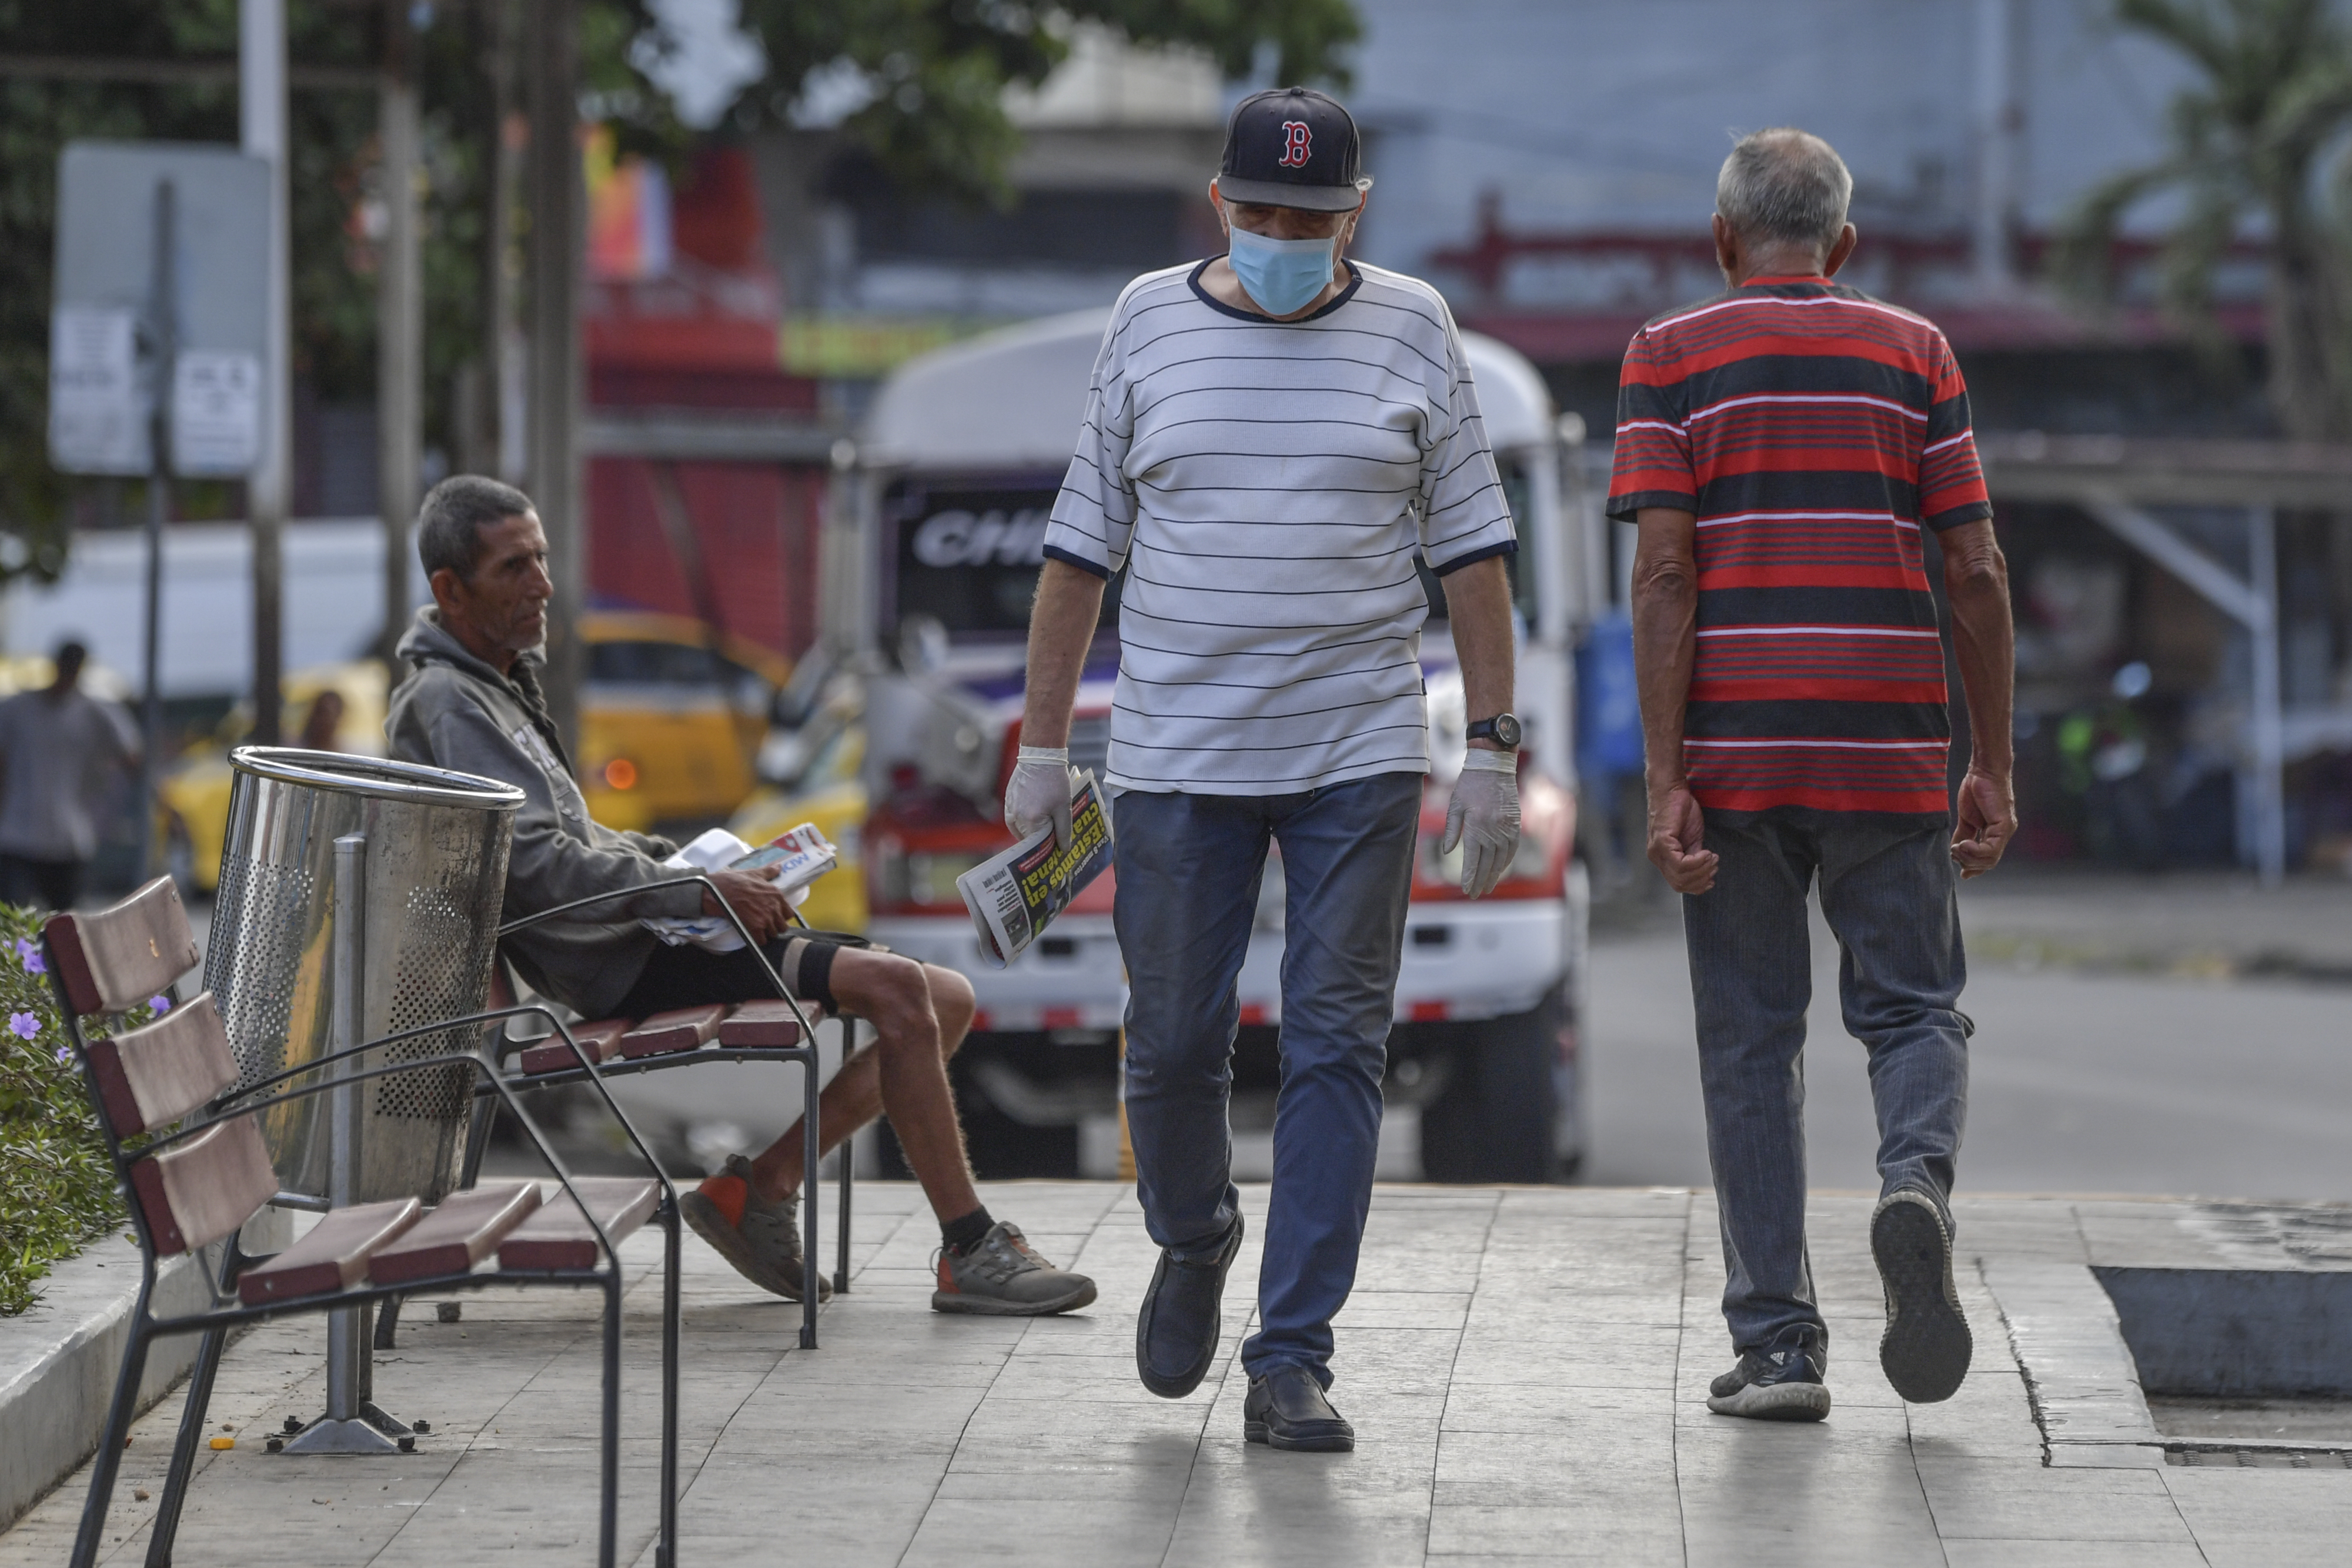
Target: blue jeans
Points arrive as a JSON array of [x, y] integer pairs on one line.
[[1189, 867], [1888, 890]]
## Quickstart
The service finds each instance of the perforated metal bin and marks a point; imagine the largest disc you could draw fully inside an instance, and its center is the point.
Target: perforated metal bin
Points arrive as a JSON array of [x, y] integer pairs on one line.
[[436, 877]]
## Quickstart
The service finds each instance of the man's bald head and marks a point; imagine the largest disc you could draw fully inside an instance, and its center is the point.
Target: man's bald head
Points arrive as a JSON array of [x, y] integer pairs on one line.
[[1785, 188]]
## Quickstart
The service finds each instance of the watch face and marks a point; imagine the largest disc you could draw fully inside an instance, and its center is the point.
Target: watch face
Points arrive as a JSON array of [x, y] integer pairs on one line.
[[1507, 732]]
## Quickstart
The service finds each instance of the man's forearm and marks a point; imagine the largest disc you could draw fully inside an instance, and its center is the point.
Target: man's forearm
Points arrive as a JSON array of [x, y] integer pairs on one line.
[[1666, 636], [1984, 641], [1061, 629], [1478, 606]]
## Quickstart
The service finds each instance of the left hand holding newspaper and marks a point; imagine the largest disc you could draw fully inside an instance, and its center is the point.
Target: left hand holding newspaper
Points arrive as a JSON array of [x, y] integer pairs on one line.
[[1015, 894], [800, 857]]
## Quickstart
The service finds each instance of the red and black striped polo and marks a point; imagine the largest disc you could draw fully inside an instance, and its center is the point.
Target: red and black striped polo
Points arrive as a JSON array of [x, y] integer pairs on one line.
[[1813, 431]]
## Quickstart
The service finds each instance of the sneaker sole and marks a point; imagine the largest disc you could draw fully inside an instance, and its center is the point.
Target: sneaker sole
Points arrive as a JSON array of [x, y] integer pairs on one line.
[[1179, 1386], [702, 1217], [1927, 1346], [1774, 1402], [1330, 1443], [996, 1307]]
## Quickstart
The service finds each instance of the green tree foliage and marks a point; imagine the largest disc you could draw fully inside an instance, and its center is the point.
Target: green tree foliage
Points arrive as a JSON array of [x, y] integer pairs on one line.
[[2257, 147], [933, 73]]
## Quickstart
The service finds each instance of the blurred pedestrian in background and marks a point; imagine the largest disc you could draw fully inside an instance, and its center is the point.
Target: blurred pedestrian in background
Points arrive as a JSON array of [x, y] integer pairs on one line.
[[58, 748], [1273, 438], [324, 720], [1783, 448]]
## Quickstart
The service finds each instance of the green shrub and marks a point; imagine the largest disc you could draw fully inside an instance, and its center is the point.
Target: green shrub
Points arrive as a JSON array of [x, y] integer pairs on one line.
[[56, 1185]]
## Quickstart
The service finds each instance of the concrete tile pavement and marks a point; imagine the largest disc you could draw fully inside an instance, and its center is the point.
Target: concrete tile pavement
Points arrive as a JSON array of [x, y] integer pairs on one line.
[[1526, 1370]]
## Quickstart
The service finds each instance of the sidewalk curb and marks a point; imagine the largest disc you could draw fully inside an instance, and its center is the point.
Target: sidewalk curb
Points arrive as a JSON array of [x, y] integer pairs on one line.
[[58, 1360]]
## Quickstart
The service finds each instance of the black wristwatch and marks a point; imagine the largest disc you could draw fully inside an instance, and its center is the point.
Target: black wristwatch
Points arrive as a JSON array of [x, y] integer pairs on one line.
[[1503, 729]]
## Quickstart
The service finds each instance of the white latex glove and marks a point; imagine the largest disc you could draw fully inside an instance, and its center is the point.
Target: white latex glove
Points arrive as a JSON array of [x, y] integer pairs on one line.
[[1039, 792], [1483, 818]]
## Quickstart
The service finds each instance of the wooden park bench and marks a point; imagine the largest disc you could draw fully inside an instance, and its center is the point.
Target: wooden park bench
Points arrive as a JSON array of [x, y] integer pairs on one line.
[[203, 1171]]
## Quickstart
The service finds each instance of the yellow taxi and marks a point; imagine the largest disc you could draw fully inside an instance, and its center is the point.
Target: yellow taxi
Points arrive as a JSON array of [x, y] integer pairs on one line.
[[826, 788], [671, 718], [192, 793]]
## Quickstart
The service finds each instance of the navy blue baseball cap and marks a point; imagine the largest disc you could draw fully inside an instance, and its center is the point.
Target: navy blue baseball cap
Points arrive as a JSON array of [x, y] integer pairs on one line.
[[1293, 147]]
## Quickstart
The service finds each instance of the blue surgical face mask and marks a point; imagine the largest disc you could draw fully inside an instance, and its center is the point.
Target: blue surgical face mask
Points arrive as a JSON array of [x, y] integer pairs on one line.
[[1282, 275]]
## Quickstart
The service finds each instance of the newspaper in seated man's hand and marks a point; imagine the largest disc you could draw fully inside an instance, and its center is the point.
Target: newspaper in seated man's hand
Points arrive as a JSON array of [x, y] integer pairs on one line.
[[801, 856], [1015, 894]]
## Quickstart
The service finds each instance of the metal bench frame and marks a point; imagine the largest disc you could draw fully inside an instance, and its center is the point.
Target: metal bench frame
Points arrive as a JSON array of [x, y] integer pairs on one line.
[[227, 1311], [805, 1053]]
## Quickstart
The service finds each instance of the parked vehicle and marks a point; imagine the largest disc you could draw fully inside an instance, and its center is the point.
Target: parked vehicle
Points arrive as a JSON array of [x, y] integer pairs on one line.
[[930, 584], [671, 716], [670, 719]]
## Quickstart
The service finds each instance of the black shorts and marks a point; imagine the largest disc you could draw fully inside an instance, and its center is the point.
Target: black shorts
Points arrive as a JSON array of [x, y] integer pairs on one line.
[[691, 976]]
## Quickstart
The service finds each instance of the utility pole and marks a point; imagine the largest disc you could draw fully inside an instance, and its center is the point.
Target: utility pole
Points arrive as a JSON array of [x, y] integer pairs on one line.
[[510, 352], [399, 318], [550, 45], [1999, 135], [261, 105]]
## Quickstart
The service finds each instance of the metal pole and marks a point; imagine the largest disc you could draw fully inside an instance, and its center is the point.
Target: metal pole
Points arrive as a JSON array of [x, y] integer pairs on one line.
[[261, 93], [556, 202], [166, 327], [400, 337], [2269, 731], [345, 1428], [510, 352]]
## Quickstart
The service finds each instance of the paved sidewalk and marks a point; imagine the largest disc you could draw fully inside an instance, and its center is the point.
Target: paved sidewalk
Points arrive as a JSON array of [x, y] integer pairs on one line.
[[1526, 1369]]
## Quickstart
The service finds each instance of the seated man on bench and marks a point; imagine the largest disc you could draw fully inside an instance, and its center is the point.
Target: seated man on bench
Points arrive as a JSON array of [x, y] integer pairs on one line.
[[474, 705]]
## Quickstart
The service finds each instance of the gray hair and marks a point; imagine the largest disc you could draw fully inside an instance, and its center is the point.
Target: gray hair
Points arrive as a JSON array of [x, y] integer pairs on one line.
[[1785, 186], [449, 524]]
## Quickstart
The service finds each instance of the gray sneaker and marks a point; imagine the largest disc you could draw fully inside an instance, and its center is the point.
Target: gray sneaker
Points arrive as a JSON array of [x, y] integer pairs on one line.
[[1003, 1277], [760, 1238]]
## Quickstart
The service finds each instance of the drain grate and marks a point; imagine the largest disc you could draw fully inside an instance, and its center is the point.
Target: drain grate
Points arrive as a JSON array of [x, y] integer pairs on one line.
[[2224, 1456]]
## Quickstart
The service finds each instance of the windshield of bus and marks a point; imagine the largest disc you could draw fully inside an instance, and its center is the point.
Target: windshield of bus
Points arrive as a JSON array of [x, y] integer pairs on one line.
[[967, 553], [1518, 492]]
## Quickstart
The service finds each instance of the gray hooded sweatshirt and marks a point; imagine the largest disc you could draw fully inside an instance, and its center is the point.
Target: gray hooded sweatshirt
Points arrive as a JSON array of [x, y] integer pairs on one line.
[[457, 712]]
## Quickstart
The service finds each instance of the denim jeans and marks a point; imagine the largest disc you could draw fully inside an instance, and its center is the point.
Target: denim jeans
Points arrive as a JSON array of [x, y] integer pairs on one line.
[[1189, 867], [1888, 890]]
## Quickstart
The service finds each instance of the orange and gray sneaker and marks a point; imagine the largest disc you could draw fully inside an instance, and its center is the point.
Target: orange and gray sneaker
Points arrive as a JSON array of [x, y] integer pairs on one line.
[[760, 1238], [1002, 1276]]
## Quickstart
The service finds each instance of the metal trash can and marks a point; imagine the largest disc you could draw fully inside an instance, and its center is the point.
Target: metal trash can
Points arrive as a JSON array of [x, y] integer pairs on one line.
[[436, 869]]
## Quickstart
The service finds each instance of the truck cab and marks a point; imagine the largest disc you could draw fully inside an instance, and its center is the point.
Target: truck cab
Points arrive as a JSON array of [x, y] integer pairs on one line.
[[930, 565]]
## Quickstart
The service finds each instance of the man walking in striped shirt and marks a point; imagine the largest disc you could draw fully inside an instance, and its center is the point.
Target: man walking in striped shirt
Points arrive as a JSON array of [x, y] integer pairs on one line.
[[1784, 449], [1273, 439]]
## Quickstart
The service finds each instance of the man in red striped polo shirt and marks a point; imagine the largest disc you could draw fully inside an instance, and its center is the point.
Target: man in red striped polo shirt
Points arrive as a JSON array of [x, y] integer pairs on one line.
[[1785, 449]]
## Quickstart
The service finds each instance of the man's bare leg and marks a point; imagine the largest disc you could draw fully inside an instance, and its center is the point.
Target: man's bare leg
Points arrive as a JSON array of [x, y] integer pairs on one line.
[[921, 1014]]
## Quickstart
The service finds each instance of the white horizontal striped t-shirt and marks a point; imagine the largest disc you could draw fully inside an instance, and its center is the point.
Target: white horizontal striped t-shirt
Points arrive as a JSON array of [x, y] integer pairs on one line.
[[1267, 485]]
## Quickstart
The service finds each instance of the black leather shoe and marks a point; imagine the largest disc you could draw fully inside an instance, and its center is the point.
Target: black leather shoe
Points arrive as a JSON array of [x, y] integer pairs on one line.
[[1287, 1408], [1176, 1332]]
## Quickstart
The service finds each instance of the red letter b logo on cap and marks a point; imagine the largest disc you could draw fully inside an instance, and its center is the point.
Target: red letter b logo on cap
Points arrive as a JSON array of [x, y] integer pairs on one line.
[[1296, 145]]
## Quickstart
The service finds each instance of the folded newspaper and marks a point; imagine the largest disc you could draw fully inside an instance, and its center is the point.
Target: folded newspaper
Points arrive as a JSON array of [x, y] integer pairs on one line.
[[1016, 894], [801, 856]]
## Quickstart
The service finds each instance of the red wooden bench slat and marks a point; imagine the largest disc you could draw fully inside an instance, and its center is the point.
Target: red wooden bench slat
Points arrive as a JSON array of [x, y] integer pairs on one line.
[[599, 1040], [463, 1230], [333, 1257], [680, 1028], [118, 958], [151, 1076], [199, 1191], [556, 1237], [768, 1024]]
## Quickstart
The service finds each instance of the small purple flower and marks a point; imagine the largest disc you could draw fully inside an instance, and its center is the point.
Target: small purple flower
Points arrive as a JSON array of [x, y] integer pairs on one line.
[[24, 1026], [161, 1005], [65, 1055], [29, 956]]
